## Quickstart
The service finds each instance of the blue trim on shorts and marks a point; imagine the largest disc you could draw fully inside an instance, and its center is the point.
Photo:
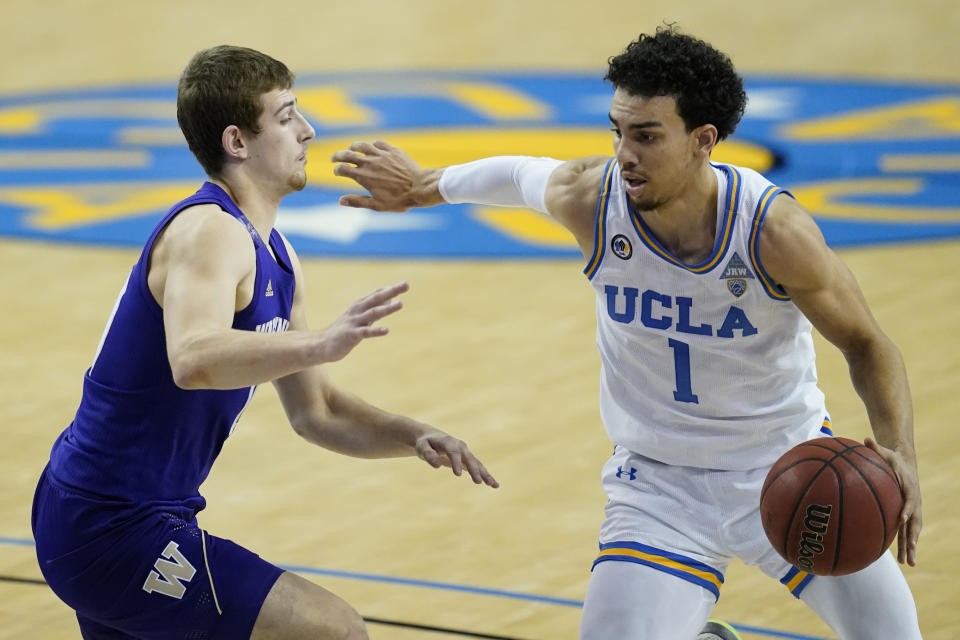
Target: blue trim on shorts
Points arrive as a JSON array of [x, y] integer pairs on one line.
[[664, 561], [798, 588]]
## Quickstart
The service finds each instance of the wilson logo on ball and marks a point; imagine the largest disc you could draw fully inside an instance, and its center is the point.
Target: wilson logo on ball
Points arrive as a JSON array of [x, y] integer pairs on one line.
[[811, 539]]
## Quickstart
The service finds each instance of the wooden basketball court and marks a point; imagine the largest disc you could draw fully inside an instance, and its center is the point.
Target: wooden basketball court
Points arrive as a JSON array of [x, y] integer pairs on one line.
[[500, 353]]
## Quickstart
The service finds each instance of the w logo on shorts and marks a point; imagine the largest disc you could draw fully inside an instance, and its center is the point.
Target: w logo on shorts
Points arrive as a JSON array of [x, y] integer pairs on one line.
[[166, 575]]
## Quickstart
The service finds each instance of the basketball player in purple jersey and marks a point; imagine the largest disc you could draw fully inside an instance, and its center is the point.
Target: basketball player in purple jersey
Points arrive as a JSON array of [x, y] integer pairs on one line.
[[213, 308], [708, 279]]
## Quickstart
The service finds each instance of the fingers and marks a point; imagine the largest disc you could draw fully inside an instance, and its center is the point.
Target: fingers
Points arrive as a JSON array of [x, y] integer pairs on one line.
[[346, 171], [449, 452], [910, 534], [349, 156], [372, 332], [371, 315], [380, 296], [364, 147], [479, 473], [357, 151], [911, 520], [359, 202]]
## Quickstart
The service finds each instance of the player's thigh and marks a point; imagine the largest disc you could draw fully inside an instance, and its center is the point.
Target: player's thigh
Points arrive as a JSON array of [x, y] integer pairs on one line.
[[873, 603], [298, 608], [630, 600]]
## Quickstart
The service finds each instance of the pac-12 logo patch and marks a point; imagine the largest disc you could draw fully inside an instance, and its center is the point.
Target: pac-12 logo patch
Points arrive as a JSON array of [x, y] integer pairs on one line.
[[737, 286], [621, 247]]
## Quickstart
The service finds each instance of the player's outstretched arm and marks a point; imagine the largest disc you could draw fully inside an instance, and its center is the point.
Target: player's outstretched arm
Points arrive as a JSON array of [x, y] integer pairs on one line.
[[567, 191], [198, 268], [331, 417], [793, 252]]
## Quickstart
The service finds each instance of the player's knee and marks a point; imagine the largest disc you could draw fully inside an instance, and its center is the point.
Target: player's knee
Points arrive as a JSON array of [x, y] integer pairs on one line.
[[343, 623], [355, 627]]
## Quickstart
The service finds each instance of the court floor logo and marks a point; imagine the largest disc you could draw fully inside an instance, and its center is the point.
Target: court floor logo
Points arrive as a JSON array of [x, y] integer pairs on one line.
[[875, 162]]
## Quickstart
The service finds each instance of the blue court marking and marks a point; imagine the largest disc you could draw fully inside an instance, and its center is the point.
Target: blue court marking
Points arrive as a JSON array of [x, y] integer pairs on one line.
[[20, 542], [101, 165], [430, 584], [773, 634], [449, 586]]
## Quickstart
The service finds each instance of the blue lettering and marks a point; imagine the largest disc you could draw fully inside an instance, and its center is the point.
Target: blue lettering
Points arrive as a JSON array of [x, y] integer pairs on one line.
[[683, 323], [736, 319], [646, 310], [631, 307]]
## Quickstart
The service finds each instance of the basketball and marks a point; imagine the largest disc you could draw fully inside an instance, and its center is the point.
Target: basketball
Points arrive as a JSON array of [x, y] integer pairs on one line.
[[831, 506]]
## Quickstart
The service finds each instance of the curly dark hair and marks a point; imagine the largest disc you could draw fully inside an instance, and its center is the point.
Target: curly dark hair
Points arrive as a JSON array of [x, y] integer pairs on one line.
[[702, 80], [221, 86]]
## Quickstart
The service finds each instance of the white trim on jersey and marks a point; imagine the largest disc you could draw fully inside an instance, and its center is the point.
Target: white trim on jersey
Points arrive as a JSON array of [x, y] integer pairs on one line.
[[106, 329]]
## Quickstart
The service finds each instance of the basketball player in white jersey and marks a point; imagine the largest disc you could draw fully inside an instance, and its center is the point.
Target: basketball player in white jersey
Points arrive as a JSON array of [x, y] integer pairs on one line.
[[708, 280]]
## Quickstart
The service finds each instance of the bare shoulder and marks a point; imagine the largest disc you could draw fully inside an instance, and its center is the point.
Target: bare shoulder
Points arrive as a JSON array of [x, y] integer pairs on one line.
[[201, 241], [792, 248], [204, 237], [572, 194], [204, 225]]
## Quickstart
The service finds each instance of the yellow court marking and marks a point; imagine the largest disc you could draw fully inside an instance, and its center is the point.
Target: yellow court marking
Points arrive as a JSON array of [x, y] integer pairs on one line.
[[498, 102], [525, 225], [18, 120], [332, 106], [825, 199], [65, 206], [919, 120], [28, 119]]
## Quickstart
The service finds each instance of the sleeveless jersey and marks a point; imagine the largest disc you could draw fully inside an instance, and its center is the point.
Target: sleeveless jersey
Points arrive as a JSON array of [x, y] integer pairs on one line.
[[136, 435], [708, 365]]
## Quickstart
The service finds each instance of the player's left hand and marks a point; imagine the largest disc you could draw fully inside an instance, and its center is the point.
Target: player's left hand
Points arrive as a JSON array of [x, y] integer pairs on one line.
[[911, 518], [439, 449]]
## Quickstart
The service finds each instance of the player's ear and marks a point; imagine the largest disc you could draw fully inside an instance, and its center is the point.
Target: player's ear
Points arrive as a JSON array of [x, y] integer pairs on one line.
[[705, 138], [233, 142]]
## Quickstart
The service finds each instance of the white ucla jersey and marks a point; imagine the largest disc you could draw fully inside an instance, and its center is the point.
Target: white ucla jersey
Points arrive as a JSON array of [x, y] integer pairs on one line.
[[708, 365]]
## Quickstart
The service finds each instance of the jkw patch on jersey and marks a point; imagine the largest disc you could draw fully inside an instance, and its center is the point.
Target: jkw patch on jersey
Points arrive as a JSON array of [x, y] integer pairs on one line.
[[736, 274]]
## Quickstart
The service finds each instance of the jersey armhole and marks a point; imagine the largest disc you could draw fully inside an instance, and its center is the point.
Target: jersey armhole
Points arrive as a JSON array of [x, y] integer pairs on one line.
[[600, 222], [771, 288]]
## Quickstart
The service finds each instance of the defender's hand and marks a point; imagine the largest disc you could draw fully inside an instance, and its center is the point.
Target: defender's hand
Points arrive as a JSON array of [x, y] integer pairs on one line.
[[440, 449], [356, 323]]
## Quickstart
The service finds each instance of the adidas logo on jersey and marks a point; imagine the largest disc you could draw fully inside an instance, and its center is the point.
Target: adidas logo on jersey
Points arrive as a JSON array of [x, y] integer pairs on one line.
[[736, 273], [269, 292]]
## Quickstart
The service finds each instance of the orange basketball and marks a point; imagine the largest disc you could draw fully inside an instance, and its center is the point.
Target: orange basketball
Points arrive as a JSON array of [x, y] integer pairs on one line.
[[831, 506]]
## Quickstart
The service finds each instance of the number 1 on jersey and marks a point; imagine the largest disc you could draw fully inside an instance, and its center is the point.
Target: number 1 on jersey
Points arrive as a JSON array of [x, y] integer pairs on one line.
[[681, 365]]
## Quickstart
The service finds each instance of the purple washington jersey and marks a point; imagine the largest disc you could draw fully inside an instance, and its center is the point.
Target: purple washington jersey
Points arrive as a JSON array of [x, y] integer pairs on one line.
[[137, 436]]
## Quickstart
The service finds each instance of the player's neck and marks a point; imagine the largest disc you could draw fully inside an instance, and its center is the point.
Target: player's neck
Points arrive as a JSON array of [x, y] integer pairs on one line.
[[258, 204], [686, 225]]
